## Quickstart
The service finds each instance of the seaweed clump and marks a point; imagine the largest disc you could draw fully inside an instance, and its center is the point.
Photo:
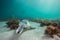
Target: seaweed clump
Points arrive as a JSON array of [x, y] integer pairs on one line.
[[45, 22], [13, 24]]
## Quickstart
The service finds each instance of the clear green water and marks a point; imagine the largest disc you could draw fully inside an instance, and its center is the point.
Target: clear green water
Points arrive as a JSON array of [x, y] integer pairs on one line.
[[48, 9]]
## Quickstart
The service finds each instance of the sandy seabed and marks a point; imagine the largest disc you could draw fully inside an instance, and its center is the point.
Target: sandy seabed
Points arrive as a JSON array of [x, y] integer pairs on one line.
[[36, 34]]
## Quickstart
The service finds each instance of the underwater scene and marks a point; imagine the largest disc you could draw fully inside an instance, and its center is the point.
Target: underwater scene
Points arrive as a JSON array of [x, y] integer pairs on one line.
[[29, 19]]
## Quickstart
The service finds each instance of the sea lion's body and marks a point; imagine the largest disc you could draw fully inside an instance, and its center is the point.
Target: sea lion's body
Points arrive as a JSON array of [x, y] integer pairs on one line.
[[23, 24]]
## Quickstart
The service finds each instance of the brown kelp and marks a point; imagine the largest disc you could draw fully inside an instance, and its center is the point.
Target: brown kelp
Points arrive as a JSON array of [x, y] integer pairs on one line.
[[13, 23]]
